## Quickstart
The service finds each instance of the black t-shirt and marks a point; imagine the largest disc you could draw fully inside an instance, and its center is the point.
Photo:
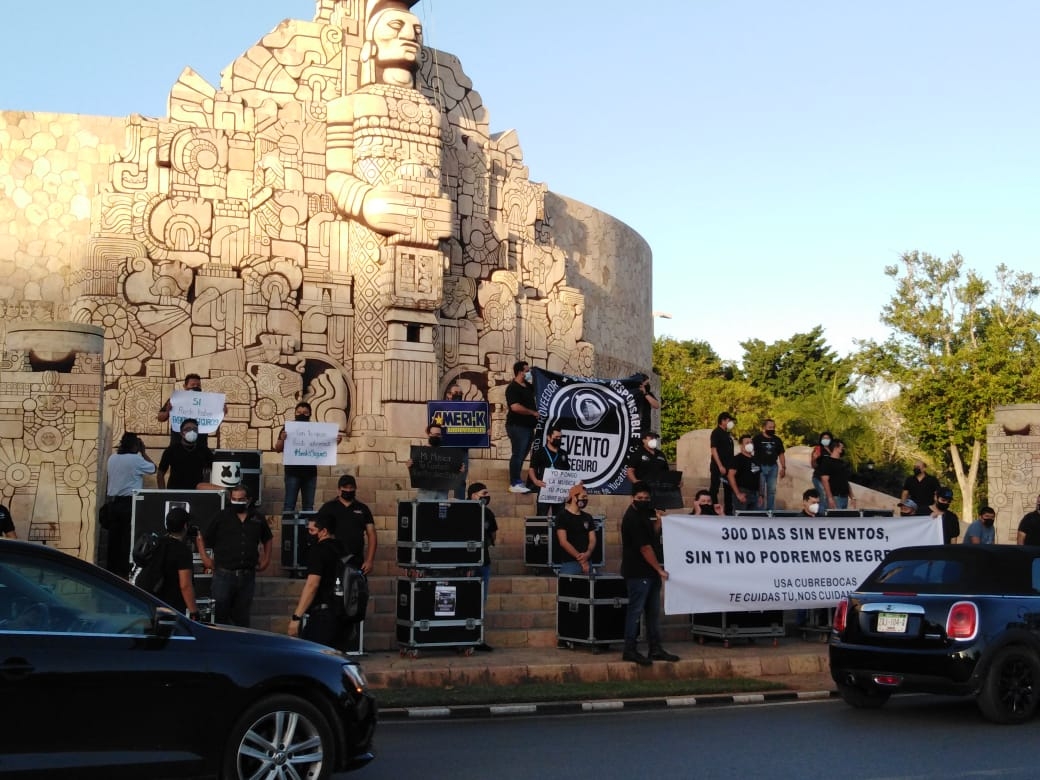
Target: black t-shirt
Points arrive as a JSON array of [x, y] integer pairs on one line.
[[637, 531], [951, 526], [522, 394], [236, 542], [645, 410], [576, 528], [838, 472], [186, 466], [6, 522], [922, 491], [349, 523], [323, 560], [1030, 526], [722, 442], [648, 466], [747, 472], [543, 459], [176, 558], [490, 529], [767, 449]]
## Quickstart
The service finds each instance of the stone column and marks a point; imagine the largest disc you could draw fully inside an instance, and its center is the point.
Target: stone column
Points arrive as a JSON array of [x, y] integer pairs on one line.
[[51, 388]]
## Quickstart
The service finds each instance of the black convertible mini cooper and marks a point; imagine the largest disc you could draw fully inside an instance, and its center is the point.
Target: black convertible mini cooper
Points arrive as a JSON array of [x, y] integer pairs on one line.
[[954, 619]]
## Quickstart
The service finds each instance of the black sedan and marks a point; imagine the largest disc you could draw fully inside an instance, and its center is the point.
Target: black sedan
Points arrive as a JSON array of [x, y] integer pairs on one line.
[[98, 678], [954, 619]]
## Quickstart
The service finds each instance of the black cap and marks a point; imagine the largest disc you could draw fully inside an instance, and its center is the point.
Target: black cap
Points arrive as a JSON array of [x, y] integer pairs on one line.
[[944, 493]]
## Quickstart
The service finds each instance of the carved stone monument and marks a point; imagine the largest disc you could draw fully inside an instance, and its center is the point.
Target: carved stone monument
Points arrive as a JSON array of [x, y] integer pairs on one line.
[[1013, 465], [334, 223]]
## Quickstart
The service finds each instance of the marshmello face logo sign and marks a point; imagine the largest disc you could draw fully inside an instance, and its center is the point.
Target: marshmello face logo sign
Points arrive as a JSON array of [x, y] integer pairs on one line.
[[226, 473], [596, 420]]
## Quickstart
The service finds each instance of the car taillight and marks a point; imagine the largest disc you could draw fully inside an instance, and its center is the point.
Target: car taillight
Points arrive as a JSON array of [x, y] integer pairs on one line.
[[841, 614], [963, 621]]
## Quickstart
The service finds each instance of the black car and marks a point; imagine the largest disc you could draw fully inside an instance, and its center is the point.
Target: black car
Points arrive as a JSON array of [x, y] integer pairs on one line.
[[953, 619], [98, 678]]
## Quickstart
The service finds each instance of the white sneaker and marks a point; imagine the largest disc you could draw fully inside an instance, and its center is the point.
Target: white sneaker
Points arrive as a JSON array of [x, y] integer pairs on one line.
[[519, 488]]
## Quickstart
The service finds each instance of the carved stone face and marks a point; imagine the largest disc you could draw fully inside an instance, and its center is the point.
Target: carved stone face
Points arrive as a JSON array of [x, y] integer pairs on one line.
[[397, 35]]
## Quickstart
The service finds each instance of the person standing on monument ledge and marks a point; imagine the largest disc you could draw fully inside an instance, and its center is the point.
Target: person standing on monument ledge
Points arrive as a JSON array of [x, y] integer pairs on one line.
[[521, 420]]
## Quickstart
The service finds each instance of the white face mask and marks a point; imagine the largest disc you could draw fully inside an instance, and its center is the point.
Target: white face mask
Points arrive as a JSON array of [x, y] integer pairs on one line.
[[652, 444], [825, 442], [730, 425], [749, 448], [814, 508], [528, 377], [191, 436]]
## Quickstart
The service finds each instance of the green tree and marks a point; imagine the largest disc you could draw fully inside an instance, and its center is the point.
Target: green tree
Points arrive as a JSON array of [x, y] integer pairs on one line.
[[798, 366], [960, 346]]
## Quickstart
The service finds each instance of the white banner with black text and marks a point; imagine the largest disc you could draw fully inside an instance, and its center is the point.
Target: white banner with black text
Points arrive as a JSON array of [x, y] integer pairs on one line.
[[744, 564]]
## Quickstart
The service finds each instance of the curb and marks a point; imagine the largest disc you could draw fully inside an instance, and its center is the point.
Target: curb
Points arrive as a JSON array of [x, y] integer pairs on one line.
[[598, 705]]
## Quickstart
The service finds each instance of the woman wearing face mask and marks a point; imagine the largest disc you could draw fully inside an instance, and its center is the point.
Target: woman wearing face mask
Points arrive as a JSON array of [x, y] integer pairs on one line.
[[575, 532], [819, 452], [744, 477]]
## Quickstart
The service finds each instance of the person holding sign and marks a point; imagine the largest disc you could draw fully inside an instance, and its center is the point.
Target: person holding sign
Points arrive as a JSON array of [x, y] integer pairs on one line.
[[300, 478], [192, 383], [551, 456], [575, 534], [433, 464]]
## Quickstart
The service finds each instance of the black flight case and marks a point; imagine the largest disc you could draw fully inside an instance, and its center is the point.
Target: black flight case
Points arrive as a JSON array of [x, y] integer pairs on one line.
[[440, 612], [590, 610], [440, 534], [540, 542]]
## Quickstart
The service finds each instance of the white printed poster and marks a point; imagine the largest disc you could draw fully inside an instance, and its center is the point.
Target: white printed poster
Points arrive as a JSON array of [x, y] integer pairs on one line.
[[310, 444], [206, 408], [445, 598], [745, 564], [558, 484]]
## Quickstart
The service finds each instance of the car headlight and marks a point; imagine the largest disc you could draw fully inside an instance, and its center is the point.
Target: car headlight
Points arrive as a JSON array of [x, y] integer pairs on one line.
[[357, 678]]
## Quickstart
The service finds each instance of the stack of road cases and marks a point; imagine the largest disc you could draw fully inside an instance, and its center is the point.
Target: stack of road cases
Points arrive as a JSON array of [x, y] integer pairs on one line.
[[440, 534], [295, 542], [439, 612], [590, 610], [437, 542]]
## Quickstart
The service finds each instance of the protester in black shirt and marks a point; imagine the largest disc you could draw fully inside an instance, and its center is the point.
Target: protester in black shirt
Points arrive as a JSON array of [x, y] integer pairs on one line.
[[647, 463], [550, 456], [835, 478], [721, 444], [920, 488], [1029, 526], [521, 420], [241, 544], [951, 523], [646, 402], [178, 588], [744, 477], [352, 523], [317, 600], [188, 461], [575, 534]]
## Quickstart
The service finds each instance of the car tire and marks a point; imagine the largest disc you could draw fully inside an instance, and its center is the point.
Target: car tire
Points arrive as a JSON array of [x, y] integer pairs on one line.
[[862, 698], [1011, 690], [280, 731]]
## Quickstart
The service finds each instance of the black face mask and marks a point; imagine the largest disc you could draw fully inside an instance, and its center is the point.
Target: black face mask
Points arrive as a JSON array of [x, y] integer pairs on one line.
[[556, 442], [582, 503], [485, 500], [303, 418], [707, 509], [917, 470], [456, 396], [195, 389], [435, 441], [347, 495], [942, 504], [641, 505]]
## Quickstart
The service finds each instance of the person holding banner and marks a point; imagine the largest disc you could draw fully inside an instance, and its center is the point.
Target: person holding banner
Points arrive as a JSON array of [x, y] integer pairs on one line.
[[642, 566], [550, 456], [575, 534], [521, 420], [702, 504], [300, 480]]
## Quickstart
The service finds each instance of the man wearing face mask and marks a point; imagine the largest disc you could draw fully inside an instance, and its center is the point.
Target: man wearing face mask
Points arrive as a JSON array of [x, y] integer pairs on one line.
[[642, 566], [702, 505], [434, 435], [188, 460], [241, 542], [352, 522], [721, 457], [646, 402], [192, 382], [744, 479], [820, 453], [478, 492], [521, 420], [551, 456], [920, 487], [981, 531], [299, 479], [810, 503], [647, 463], [575, 534], [771, 460], [951, 524], [1029, 526]]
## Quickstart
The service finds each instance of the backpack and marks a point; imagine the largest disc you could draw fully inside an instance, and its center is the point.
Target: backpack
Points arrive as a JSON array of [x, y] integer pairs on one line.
[[149, 556], [350, 593]]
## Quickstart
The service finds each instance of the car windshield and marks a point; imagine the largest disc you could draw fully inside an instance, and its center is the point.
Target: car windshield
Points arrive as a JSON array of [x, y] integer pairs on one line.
[[48, 596], [956, 569]]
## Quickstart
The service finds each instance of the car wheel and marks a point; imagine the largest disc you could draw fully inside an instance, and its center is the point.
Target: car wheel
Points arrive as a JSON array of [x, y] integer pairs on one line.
[[1012, 686], [862, 698], [280, 736]]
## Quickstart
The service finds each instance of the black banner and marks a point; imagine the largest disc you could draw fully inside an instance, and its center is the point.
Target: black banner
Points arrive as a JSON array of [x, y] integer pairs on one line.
[[435, 468]]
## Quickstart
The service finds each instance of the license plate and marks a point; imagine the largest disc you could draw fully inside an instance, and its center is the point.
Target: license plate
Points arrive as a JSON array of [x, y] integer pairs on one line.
[[891, 622]]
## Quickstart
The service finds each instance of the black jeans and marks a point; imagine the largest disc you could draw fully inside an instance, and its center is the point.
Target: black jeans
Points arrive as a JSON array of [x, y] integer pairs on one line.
[[233, 596], [117, 559]]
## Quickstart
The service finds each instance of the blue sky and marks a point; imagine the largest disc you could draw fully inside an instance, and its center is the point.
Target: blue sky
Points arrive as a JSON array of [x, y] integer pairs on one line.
[[776, 156]]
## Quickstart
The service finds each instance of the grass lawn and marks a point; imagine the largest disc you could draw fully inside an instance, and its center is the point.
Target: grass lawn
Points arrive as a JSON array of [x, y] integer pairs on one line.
[[392, 698]]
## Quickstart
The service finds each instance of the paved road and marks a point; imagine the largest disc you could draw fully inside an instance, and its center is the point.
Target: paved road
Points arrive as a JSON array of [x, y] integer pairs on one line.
[[912, 738]]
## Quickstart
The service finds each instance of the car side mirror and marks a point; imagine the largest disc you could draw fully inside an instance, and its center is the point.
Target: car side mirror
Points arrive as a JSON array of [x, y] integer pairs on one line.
[[165, 621]]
